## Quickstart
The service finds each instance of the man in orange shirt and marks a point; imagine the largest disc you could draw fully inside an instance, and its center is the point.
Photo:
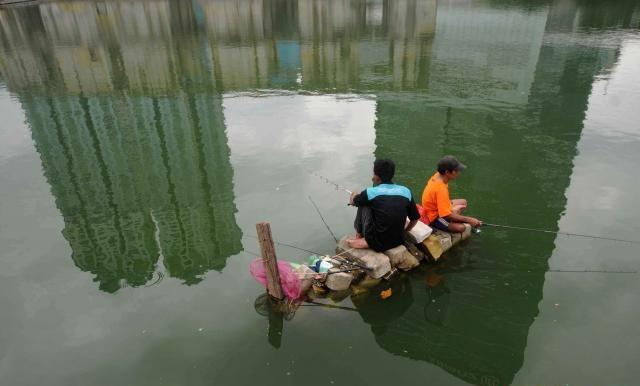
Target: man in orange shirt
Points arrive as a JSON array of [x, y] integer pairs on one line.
[[439, 211]]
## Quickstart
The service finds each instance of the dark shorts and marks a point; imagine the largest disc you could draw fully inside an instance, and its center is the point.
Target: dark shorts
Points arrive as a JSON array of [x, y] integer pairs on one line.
[[365, 225], [440, 224]]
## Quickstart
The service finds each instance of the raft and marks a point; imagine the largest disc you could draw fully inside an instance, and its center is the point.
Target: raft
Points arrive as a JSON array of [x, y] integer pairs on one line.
[[358, 270]]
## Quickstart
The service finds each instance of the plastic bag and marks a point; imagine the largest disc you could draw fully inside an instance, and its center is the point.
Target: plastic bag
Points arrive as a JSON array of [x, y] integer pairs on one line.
[[288, 279]]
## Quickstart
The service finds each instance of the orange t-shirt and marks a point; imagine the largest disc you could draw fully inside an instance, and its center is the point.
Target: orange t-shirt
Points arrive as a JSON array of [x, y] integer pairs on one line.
[[435, 199]]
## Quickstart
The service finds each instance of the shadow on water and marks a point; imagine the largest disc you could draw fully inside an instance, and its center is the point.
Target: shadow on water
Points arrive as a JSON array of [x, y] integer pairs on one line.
[[127, 117]]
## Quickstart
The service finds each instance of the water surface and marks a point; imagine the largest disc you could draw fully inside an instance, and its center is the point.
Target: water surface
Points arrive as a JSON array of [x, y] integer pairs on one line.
[[142, 140]]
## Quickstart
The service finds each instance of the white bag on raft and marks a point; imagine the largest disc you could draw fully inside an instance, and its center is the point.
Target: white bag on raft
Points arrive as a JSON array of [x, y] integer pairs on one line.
[[420, 231]]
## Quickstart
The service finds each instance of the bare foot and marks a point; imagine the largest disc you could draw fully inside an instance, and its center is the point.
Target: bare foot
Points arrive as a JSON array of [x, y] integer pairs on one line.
[[360, 243]]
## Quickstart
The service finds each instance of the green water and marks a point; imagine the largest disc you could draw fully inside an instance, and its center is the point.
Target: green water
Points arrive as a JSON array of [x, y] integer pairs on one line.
[[140, 142]]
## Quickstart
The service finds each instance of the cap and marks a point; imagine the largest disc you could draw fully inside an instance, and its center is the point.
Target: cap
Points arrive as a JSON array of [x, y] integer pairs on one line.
[[449, 162]]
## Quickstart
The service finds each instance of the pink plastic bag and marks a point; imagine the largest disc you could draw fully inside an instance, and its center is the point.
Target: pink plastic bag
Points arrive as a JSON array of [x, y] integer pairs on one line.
[[288, 278]]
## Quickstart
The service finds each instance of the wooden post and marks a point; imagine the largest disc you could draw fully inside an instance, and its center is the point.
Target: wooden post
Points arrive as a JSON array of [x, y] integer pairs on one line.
[[270, 261]]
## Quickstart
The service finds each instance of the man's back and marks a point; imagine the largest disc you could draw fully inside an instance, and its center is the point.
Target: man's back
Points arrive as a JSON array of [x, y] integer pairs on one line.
[[390, 204], [435, 199]]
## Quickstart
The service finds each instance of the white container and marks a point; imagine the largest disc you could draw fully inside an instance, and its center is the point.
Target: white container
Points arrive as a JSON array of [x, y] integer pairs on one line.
[[420, 231]]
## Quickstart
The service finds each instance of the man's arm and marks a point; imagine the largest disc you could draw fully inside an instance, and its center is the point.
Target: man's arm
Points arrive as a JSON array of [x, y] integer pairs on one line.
[[413, 215], [454, 217], [359, 199], [444, 211]]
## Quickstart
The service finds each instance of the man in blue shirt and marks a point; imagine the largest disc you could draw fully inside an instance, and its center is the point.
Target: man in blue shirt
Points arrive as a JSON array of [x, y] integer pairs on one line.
[[382, 211]]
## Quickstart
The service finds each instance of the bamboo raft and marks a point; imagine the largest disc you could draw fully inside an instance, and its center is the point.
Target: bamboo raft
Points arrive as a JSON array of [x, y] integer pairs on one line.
[[352, 272], [358, 270]]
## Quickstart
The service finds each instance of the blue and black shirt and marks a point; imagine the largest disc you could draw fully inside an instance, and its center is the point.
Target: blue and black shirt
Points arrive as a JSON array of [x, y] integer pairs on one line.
[[390, 205]]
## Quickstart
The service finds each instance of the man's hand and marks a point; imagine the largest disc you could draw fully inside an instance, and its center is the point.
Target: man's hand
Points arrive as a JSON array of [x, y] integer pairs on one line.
[[410, 225], [474, 222], [353, 194]]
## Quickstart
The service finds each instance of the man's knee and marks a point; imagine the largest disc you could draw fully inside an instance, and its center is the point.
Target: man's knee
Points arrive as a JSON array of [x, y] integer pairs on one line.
[[458, 205], [459, 202], [364, 220]]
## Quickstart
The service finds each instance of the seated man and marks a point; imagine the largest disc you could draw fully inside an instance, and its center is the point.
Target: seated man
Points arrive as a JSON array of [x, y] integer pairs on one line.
[[440, 212], [382, 211]]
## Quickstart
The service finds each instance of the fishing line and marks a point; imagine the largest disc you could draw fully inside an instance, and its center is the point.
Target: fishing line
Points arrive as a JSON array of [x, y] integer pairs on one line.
[[560, 233], [339, 187], [251, 253], [590, 271], [534, 271], [322, 218], [345, 261], [317, 304], [304, 250], [287, 245]]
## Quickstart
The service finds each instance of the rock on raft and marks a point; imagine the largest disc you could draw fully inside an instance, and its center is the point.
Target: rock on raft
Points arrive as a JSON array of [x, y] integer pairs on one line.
[[422, 242], [439, 242]]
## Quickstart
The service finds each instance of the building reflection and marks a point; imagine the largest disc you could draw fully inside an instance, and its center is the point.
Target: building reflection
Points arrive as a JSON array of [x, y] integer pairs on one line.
[[474, 321], [134, 149], [136, 177], [124, 103], [431, 322], [231, 44]]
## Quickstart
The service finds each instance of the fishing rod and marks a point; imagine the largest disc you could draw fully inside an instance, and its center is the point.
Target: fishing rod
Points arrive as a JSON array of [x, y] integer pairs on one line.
[[338, 256], [559, 233], [339, 187], [354, 266], [323, 221], [328, 181], [330, 272], [349, 262]]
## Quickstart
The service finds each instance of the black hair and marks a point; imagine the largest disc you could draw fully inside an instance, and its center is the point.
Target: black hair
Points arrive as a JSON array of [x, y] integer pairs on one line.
[[442, 169], [385, 169], [449, 163]]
